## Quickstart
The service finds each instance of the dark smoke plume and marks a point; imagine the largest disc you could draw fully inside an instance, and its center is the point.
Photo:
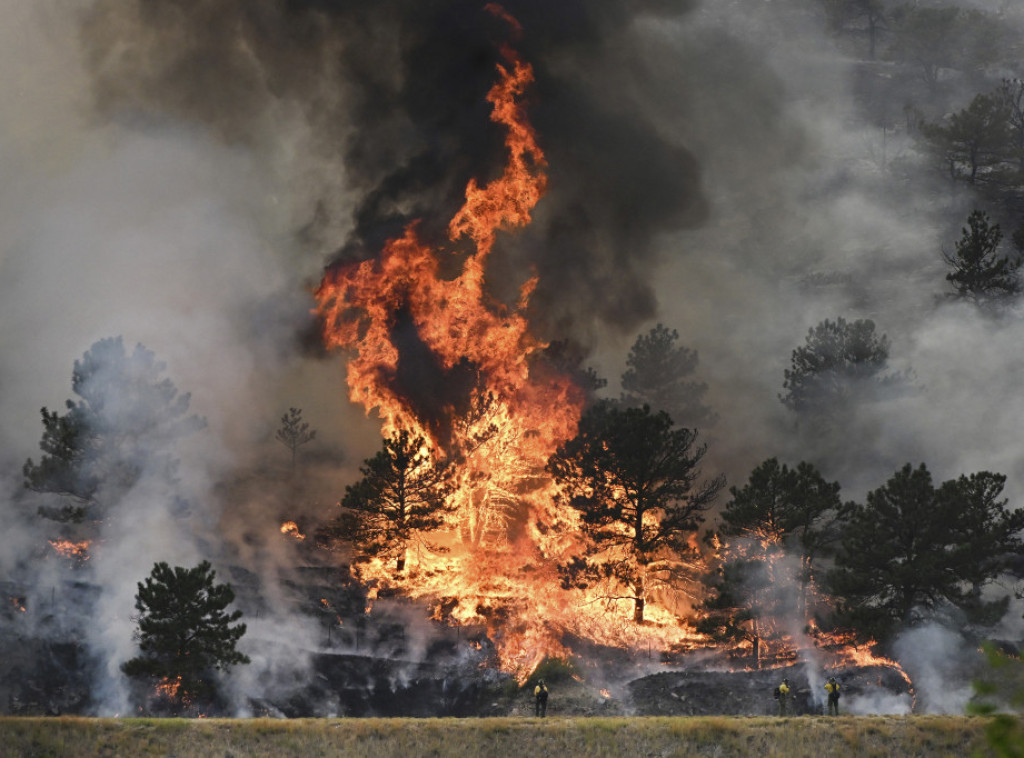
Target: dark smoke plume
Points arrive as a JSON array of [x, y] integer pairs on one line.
[[393, 95]]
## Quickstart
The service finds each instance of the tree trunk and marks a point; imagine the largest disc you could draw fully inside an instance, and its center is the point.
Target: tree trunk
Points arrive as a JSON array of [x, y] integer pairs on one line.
[[638, 608], [805, 578], [757, 631]]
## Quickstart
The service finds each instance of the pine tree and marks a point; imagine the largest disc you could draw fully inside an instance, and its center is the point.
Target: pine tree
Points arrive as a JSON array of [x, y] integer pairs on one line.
[[657, 375], [635, 481], [915, 552], [403, 496], [294, 432], [979, 273], [783, 512], [737, 604], [840, 361], [184, 633], [126, 421]]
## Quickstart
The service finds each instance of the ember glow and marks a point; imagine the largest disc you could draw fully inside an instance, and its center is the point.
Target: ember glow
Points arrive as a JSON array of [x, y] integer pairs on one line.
[[74, 550], [291, 528], [498, 411], [168, 687], [846, 653]]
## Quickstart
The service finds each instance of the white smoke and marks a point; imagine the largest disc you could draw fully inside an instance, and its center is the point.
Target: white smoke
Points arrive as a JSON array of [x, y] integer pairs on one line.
[[934, 658], [163, 233], [169, 238]]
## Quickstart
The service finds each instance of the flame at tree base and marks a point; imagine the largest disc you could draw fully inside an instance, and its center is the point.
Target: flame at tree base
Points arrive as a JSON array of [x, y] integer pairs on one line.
[[440, 359]]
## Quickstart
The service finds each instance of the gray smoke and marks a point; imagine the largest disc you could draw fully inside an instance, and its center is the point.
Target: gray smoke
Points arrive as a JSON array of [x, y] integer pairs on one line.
[[180, 173]]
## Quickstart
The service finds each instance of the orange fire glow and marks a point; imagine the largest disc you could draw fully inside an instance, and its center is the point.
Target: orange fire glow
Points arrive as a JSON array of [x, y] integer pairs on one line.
[[845, 653], [291, 528], [74, 550], [501, 546], [168, 687]]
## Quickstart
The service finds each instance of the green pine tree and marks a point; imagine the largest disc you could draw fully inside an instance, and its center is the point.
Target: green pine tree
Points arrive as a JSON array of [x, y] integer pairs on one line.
[[978, 272], [125, 421], [403, 495], [658, 374], [636, 482], [185, 633], [915, 552]]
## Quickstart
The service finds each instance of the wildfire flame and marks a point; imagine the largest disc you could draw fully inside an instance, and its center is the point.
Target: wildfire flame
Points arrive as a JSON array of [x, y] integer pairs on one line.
[[847, 654], [168, 687], [74, 550], [291, 528], [506, 535]]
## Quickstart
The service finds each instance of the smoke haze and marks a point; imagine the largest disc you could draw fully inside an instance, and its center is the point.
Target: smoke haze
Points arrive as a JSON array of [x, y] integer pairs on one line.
[[180, 173]]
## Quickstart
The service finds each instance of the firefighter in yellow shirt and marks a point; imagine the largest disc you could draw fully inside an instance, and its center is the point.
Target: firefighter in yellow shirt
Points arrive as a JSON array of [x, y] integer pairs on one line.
[[832, 689], [783, 693], [540, 699]]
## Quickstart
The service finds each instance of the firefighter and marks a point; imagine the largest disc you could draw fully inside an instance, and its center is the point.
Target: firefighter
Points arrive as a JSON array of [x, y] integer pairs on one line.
[[783, 691], [540, 699], [832, 688]]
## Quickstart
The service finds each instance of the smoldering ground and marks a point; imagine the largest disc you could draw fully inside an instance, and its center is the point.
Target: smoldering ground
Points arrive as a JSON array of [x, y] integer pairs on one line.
[[181, 173]]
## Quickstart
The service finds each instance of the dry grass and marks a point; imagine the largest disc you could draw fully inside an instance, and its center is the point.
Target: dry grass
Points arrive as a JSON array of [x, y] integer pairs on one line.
[[721, 737]]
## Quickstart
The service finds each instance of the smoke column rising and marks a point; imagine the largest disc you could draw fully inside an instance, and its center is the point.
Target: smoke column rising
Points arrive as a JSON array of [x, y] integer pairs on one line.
[[181, 172]]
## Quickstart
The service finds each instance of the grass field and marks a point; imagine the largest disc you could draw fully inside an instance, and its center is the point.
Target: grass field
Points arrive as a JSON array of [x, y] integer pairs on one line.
[[721, 737]]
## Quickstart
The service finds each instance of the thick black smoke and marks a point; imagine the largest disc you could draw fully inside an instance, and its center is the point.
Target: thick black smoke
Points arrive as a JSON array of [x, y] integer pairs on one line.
[[393, 93]]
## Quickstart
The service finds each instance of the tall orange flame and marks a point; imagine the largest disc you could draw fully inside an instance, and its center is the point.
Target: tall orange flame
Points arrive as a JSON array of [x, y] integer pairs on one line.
[[506, 535]]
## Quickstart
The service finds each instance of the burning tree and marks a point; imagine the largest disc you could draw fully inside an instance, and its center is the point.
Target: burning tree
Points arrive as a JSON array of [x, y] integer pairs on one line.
[[434, 350], [780, 509], [915, 552], [125, 422], [634, 480], [184, 633], [403, 495]]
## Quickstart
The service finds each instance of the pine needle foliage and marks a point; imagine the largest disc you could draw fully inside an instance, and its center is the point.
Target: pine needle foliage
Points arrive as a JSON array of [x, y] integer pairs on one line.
[[184, 630]]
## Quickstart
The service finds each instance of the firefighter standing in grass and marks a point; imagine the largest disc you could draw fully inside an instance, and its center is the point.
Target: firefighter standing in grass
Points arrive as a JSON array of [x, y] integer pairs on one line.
[[782, 692], [540, 699], [832, 688]]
